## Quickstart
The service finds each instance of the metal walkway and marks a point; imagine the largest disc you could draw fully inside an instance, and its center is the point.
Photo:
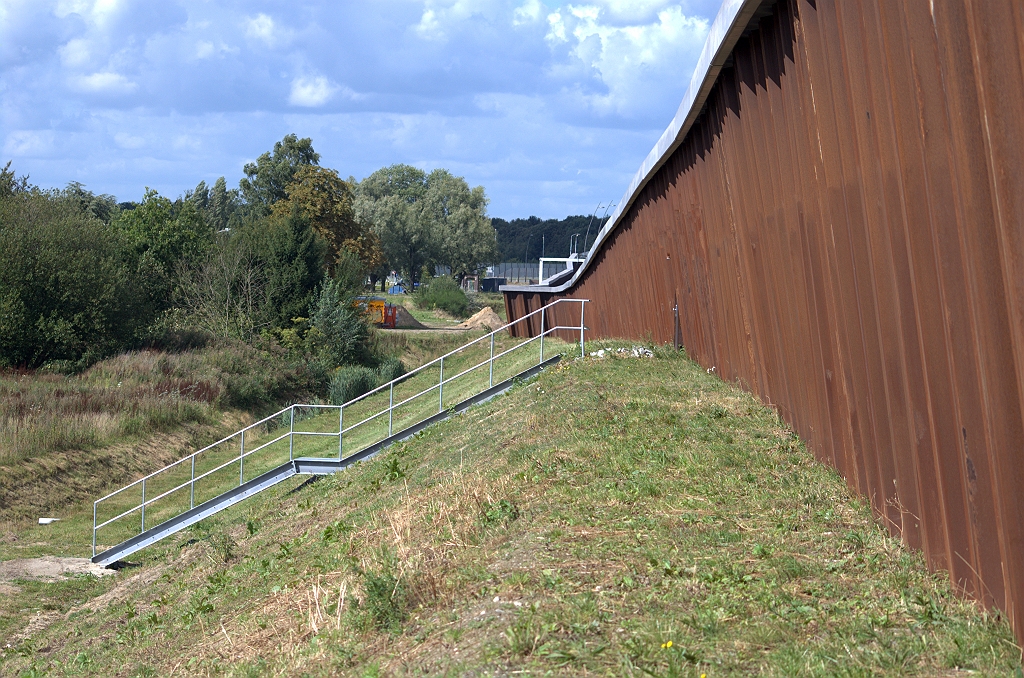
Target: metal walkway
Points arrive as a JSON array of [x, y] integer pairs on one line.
[[175, 502]]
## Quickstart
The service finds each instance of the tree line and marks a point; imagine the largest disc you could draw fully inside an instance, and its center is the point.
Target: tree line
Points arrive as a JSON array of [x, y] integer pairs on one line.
[[529, 239], [279, 257]]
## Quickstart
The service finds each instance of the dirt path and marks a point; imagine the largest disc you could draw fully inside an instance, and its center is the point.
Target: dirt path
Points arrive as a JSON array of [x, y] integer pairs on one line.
[[49, 568]]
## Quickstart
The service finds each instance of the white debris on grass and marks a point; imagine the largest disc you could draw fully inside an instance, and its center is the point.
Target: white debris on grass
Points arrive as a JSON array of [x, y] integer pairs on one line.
[[634, 352]]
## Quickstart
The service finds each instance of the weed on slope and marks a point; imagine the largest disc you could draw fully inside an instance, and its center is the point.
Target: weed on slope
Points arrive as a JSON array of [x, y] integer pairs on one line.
[[617, 516]]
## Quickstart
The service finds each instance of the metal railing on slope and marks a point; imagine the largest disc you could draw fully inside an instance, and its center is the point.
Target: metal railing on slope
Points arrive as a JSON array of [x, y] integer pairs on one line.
[[171, 504]]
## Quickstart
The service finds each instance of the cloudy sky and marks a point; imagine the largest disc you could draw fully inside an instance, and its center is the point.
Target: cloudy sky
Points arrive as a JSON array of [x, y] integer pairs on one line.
[[550, 106]]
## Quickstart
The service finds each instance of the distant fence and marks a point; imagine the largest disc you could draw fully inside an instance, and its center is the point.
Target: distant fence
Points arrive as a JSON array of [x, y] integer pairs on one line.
[[842, 229]]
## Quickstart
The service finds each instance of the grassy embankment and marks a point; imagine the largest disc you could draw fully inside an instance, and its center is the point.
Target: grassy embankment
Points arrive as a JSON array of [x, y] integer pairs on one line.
[[67, 438], [415, 396], [626, 516]]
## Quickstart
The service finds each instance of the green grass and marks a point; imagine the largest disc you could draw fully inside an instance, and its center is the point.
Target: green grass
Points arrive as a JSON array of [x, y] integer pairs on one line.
[[439, 319], [415, 396], [136, 392], [625, 516]]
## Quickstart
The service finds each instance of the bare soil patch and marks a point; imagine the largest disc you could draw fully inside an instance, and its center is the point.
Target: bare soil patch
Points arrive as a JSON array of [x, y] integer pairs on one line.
[[49, 568], [484, 319]]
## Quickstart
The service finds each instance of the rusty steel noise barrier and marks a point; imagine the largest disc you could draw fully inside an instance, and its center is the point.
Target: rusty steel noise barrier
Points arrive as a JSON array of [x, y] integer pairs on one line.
[[839, 217]]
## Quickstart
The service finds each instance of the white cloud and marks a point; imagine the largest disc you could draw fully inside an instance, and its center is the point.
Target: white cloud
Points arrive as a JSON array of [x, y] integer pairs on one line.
[[633, 10], [311, 91], [204, 49], [627, 59], [75, 53], [99, 11], [66, 7], [520, 94], [429, 27], [440, 18], [528, 13], [261, 27], [556, 28], [188, 142], [22, 143], [104, 81]]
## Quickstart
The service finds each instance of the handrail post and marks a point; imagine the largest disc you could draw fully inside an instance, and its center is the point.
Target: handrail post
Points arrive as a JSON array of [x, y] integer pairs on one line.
[[391, 407], [143, 505], [490, 379], [440, 389], [94, 529], [291, 432], [241, 460], [583, 305], [192, 485], [341, 429]]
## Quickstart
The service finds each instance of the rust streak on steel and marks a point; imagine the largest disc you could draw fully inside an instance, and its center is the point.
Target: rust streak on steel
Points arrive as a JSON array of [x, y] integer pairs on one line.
[[838, 212]]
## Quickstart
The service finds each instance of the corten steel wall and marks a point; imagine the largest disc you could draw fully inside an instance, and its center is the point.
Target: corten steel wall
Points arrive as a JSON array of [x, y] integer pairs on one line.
[[843, 230]]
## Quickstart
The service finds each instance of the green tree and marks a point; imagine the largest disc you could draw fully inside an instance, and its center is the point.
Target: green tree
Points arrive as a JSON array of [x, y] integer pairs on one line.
[[10, 184], [426, 219], [291, 256], [339, 333], [266, 180], [389, 199], [103, 207], [167, 231], [216, 204], [223, 293], [71, 288], [405, 237], [326, 200], [463, 238]]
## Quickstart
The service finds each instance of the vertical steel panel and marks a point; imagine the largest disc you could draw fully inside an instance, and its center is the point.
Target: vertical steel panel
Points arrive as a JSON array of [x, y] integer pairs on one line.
[[842, 230]]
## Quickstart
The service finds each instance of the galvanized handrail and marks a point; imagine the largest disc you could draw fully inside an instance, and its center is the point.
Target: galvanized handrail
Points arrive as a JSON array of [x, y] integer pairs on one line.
[[342, 429]]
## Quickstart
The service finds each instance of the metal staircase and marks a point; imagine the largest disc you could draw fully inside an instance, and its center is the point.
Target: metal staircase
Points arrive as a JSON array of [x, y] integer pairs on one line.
[[274, 456]]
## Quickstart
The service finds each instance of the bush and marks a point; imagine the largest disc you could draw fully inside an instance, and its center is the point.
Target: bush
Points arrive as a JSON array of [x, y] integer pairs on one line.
[[339, 333], [351, 382], [443, 293], [390, 369], [69, 288]]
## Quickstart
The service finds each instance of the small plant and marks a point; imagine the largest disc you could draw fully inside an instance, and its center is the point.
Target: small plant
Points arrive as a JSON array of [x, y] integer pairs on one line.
[[385, 593], [389, 370], [335, 530], [351, 382], [200, 605], [443, 293], [526, 634], [224, 545], [392, 471], [499, 512]]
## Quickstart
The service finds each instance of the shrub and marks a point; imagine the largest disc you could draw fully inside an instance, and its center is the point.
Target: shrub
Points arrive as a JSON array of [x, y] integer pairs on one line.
[[351, 382], [339, 332], [391, 368], [443, 293], [69, 288]]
